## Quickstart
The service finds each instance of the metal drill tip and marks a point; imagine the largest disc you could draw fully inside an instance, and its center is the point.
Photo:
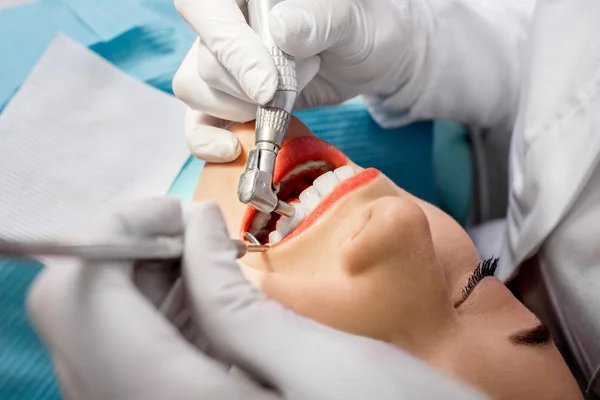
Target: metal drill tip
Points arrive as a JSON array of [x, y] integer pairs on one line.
[[253, 248], [244, 247], [285, 209]]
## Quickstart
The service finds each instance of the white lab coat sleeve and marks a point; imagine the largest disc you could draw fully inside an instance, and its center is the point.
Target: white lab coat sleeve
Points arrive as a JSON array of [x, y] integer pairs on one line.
[[570, 264], [470, 68], [554, 202], [556, 141]]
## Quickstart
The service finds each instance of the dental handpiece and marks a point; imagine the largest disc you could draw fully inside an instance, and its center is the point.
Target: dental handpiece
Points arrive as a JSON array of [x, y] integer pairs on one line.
[[256, 186]]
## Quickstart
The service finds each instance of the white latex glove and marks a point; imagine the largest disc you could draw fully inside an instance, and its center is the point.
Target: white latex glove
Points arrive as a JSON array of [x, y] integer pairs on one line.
[[108, 341], [343, 48]]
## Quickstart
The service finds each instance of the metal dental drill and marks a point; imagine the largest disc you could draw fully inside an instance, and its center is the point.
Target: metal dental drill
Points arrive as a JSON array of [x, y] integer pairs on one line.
[[272, 120]]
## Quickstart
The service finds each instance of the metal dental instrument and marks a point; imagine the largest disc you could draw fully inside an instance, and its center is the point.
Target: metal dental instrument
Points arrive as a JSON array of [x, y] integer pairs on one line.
[[250, 237], [117, 250], [272, 120]]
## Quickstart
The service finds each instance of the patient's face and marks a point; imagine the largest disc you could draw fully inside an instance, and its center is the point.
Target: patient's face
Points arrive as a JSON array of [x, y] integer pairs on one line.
[[371, 259]]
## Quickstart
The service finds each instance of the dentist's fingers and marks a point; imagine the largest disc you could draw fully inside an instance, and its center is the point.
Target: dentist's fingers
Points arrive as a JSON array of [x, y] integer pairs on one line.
[[150, 218], [304, 28], [306, 70], [91, 314], [198, 95], [222, 27], [217, 77], [318, 92], [208, 140], [160, 216], [109, 342], [205, 137]]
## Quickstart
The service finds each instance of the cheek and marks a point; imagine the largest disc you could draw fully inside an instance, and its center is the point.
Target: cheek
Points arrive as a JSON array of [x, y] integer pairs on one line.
[[505, 372], [455, 250], [253, 275], [343, 303], [304, 257]]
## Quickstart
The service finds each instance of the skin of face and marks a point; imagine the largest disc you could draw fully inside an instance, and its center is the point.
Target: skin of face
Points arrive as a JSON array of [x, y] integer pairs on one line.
[[384, 264]]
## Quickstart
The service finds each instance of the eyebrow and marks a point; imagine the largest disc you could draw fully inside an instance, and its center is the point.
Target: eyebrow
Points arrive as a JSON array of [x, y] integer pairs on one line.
[[537, 336]]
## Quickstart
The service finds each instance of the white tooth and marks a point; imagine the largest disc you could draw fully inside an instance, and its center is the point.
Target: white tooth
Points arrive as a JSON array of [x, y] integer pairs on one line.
[[275, 237], [310, 198], [344, 172], [299, 215], [326, 183], [284, 226], [260, 220], [287, 224]]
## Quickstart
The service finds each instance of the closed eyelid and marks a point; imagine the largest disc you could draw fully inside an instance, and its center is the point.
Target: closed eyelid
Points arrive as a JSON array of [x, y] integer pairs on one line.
[[483, 270], [538, 336]]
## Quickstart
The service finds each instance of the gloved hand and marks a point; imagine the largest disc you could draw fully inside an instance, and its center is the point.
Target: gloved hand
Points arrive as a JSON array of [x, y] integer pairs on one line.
[[343, 48], [108, 341]]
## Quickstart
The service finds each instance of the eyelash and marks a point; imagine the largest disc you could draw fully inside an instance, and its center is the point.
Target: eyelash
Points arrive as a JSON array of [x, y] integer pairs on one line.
[[484, 269], [540, 336]]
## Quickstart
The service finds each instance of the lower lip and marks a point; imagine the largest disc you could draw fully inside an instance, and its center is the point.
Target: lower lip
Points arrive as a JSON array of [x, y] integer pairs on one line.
[[332, 198]]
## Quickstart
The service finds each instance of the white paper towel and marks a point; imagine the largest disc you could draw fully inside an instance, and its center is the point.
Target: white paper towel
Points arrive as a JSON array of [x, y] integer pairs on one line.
[[13, 3], [78, 136]]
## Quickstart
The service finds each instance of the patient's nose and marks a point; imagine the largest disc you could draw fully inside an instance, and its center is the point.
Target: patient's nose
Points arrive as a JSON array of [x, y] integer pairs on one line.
[[391, 226]]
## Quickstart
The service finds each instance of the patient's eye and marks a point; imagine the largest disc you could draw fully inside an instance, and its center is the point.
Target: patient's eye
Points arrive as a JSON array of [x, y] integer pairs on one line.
[[538, 336], [484, 269]]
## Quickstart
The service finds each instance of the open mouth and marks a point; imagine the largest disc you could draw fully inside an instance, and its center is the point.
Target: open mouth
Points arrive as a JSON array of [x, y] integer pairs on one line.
[[307, 174]]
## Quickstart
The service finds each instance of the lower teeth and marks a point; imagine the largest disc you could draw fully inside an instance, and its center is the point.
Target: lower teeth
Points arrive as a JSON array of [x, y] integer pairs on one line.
[[285, 225], [275, 237]]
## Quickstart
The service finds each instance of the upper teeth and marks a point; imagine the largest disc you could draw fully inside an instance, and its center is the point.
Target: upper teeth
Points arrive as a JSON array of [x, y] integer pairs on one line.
[[326, 183], [309, 200], [345, 172]]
